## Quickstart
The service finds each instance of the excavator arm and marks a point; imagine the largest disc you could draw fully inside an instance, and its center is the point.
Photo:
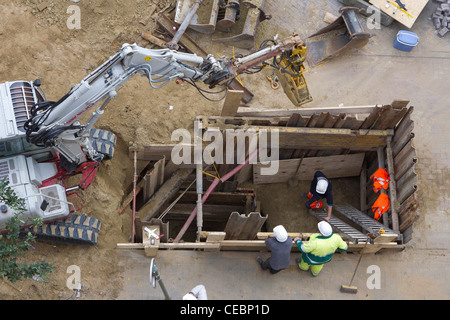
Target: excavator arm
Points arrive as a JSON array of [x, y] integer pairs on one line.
[[55, 123]]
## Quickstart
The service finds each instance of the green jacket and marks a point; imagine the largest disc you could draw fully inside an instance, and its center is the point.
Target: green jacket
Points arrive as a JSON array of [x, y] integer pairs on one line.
[[319, 249]]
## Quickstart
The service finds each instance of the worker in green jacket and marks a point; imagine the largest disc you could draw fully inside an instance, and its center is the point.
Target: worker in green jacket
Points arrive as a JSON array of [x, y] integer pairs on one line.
[[319, 249]]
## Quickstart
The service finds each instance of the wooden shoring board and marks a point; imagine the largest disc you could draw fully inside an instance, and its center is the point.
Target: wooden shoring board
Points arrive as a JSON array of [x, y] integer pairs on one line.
[[225, 198], [339, 166], [377, 117], [250, 245], [154, 179], [162, 196], [414, 8], [321, 138], [211, 212], [304, 111], [157, 151]]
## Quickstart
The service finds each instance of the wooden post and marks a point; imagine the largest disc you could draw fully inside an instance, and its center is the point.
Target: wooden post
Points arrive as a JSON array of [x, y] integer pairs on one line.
[[363, 187], [392, 186], [134, 196]]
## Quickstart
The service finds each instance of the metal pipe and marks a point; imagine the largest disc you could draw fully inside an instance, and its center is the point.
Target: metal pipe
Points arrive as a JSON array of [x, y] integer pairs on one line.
[[161, 284]]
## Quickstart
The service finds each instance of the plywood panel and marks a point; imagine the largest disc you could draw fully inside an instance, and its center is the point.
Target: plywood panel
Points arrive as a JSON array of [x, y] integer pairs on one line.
[[339, 166], [413, 7]]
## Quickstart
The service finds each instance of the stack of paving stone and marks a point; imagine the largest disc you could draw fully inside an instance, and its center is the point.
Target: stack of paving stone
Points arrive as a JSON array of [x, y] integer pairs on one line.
[[441, 18]]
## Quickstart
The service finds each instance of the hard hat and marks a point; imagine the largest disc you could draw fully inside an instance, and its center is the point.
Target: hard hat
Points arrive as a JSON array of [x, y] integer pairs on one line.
[[189, 296], [322, 186], [280, 233], [325, 228]]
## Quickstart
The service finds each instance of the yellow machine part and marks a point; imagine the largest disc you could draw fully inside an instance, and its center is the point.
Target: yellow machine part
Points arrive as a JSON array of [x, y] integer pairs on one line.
[[293, 81]]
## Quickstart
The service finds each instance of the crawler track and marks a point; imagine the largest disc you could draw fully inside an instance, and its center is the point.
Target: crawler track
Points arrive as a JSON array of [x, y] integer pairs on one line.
[[76, 229]]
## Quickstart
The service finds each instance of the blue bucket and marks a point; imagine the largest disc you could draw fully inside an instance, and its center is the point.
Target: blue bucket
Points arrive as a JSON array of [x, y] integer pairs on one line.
[[406, 40]]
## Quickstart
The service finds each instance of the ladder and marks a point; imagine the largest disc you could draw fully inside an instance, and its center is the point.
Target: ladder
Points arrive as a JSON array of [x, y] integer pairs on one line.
[[363, 220], [340, 226]]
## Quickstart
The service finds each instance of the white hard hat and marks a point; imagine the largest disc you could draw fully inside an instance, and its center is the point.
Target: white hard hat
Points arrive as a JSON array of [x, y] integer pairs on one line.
[[322, 186], [189, 296], [280, 233], [325, 228]]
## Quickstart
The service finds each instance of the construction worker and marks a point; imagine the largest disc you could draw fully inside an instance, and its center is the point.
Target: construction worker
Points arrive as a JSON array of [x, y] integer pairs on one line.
[[280, 246], [320, 188], [197, 293], [319, 249]]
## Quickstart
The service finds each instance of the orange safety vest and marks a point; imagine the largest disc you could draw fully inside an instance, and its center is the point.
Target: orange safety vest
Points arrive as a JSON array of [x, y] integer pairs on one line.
[[380, 180], [381, 205]]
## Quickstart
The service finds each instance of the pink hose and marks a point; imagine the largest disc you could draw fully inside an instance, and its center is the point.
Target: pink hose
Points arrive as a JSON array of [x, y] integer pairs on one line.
[[210, 189]]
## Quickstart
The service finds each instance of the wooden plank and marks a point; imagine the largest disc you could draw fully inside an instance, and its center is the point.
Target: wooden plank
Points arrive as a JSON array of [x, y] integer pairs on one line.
[[292, 122], [163, 227], [362, 187], [237, 198], [210, 211], [395, 205], [249, 245], [152, 151], [414, 8], [332, 166], [372, 118], [231, 103], [320, 138], [399, 104], [161, 197], [404, 128], [214, 236], [150, 249]]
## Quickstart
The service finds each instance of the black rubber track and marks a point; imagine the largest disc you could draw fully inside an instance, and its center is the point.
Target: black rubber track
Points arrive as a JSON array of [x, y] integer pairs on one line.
[[77, 229]]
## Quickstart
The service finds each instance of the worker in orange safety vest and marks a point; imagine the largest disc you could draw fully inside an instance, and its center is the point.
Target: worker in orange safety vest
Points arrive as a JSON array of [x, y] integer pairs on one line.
[[380, 180], [380, 206]]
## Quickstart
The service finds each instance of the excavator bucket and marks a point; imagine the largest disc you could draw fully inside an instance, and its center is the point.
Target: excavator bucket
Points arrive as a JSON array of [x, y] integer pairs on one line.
[[332, 42], [204, 19], [255, 14]]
